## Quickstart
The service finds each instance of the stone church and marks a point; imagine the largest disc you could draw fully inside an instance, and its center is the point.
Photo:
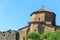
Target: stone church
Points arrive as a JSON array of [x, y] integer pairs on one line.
[[42, 20]]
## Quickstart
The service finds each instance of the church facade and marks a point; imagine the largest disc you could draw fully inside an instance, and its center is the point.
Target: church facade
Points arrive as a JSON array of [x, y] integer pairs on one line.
[[42, 20]]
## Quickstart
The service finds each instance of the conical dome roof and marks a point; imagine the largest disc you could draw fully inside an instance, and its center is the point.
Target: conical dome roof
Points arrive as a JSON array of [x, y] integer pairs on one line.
[[43, 9]]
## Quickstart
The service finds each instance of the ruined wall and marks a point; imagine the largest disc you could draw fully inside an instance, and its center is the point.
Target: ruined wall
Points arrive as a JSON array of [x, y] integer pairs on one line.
[[8, 35]]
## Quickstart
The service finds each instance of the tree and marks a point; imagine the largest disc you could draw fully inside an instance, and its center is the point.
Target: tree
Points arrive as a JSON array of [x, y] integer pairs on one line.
[[48, 36], [51, 35], [57, 35], [33, 36]]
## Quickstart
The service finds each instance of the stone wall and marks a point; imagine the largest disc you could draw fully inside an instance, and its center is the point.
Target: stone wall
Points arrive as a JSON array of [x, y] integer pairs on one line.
[[23, 33], [38, 17], [8, 35]]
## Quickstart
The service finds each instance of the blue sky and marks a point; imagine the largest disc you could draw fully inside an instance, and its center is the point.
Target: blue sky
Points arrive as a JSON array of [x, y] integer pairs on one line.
[[15, 14]]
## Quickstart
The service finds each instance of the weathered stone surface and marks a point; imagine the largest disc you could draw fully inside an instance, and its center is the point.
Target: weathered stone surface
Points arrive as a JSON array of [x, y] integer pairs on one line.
[[42, 20], [8, 35]]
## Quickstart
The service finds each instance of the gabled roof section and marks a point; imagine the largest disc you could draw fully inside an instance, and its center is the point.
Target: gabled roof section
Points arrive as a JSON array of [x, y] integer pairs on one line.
[[23, 27]]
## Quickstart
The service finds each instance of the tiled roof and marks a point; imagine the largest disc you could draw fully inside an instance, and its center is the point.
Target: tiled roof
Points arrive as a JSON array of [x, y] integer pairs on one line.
[[43, 9]]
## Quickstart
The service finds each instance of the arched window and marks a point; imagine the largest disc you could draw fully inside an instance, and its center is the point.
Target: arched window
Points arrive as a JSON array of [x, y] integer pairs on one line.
[[39, 19], [23, 38], [35, 30]]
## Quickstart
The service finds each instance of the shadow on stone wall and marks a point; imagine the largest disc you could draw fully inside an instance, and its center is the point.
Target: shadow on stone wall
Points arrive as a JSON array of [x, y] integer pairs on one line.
[[17, 36]]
